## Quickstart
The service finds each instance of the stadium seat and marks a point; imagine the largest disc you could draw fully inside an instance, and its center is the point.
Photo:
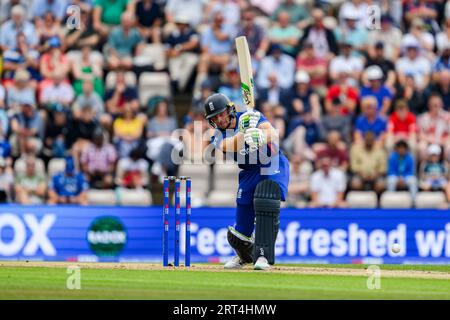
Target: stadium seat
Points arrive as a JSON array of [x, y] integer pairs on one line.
[[133, 197], [218, 198], [362, 199], [101, 197], [152, 84], [396, 199], [152, 54], [130, 79], [430, 200], [200, 183], [55, 166]]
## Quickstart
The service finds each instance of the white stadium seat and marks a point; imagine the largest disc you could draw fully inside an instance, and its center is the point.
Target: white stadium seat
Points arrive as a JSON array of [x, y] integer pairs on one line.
[[396, 200], [55, 166], [153, 84], [362, 199], [101, 197], [133, 197], [130, 79], [430, 200], [219, 198]]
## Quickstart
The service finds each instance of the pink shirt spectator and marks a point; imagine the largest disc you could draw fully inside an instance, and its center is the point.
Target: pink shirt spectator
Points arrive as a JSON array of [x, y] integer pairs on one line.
[[99, 159]]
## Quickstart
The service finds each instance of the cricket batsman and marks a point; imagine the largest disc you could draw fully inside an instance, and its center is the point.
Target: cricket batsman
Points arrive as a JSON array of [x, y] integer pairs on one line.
[[263, 180]]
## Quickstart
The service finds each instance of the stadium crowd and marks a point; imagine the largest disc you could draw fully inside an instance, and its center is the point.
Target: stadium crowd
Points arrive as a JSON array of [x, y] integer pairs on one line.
[[359, 91]]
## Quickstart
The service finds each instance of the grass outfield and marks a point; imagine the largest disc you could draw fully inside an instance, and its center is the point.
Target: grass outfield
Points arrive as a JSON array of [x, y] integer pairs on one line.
[[100, 281]]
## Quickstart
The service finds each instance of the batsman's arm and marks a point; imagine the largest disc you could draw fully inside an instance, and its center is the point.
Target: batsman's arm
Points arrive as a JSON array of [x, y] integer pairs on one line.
[[233, 144], [269, 132]]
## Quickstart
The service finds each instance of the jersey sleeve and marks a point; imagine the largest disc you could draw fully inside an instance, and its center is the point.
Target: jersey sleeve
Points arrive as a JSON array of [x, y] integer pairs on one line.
[[262, 119], [217, 139]]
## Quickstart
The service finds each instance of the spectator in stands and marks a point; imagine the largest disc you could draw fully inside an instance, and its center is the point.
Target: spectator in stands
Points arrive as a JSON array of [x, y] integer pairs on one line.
[[98, 161], [54, 61], [401, 172], [424, 9], [182, 52], [87, 68], [377, 89], [285, 34], [342, 95], [128, 129], [26, 125], [2, 97], [194, 9], [275, 115], [11, 28], [402, 126], [132, 171], [301, 135], [352, 33], [7, 5], [442, 88], [216, 44], [323, 39], [316, 67], [149, 16], [48, 28], [369, 120], [81, 131], [57, 91], [84, 35], [6, 181], [417, 100], [258, 43], [327, 186], [22, 57], [335, 150], [376, 58], [274, 94], [68, 187], [368, 165], [298, 15], [122, 43], [424, 38], [346, 62], [121, 96], [231, 86], [433, 174], [89, 97], [434, 125], [443, 37], [413, 64], [230, 9], [389, 35], [30, 187], [357, 10], [107, 14], [299, 178], [161, 123], [334, 120], [41, 7], [279, 64], [303, 98], [56, 133]]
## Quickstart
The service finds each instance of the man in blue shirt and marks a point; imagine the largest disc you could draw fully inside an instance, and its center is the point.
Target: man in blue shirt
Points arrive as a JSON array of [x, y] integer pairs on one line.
[[377, 89], [263, 181], [369, 120], [401, 169], [68, 187]]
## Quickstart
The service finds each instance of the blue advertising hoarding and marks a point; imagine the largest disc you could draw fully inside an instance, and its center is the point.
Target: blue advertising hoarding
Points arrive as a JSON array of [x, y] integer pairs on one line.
[[69, 233]]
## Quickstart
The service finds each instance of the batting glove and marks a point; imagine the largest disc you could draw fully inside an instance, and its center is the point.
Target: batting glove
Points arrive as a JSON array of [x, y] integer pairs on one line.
[[248, 120], [254, 137]]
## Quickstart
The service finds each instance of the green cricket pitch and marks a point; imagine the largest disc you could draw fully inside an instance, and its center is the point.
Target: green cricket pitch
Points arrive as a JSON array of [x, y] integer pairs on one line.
[[48, 280]]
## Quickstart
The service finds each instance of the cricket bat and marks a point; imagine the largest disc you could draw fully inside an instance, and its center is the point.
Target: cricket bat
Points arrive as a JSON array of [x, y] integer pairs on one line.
[[246, 72]]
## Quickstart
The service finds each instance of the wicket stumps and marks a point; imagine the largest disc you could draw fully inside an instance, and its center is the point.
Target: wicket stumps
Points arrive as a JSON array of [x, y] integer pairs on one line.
[[166, 205]]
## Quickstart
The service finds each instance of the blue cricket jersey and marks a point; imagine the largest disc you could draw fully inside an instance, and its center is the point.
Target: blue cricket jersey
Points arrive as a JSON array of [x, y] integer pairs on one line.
[[268, 162]]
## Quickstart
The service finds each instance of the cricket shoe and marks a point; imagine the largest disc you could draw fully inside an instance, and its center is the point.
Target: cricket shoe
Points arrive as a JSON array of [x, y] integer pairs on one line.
[[234, 263], [261, 264]]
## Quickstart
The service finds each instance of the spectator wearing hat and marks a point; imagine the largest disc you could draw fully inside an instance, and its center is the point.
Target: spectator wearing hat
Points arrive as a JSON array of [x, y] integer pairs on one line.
[[352, 32], [279, 65], [303, 99], [342, 94], [434, 125], [354, 9], [433, 173], [123, 42], [121, 96], [413, 64], [315, 67], [376, 88], [323, 39], [26, 125], [346, 62], [377, 58], [107, 14], [149, 17], [6, 181], [12, 27], [402, 125], [368, 165], [298, 14], [327, 185], [98, 161], [20, 90], [182, 51], [30, 187], [370, 120], [389, 35], [68, 187], [285, 34], [424, 38], [401, 169]]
